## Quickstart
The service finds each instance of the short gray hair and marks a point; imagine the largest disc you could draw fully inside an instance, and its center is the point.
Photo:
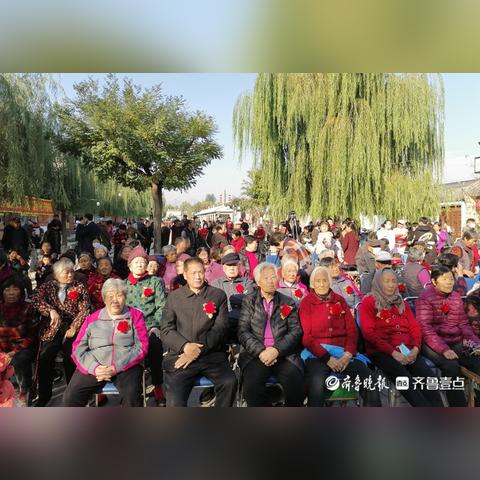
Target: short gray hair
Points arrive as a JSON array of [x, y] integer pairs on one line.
[[114, 285], [289, 260], [261, 267], [168, 249], [416, 254], [62, 265], [317, 270]]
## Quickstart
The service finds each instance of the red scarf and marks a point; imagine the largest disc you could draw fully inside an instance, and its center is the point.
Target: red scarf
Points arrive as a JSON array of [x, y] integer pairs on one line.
[[134, 280]]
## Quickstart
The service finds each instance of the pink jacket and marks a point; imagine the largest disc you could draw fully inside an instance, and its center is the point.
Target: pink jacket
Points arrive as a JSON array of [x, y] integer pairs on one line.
[[121, 343], [443, 320]]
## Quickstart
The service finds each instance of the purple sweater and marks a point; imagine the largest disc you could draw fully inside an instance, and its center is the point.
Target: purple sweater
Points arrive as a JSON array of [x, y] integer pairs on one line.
[[442, 330]]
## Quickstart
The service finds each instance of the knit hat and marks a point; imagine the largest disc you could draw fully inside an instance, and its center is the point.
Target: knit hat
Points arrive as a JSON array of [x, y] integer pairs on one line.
[[138, 251], [230, 259]]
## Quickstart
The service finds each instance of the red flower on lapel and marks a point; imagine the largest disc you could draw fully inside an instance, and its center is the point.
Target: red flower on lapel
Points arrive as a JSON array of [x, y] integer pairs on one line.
[[349, 290], [209, 309], [298, 293], [239, 288], [148, 292], [336, 309], [123, 326], [385, 315], [73, 295], [445, 308], [285, 311]]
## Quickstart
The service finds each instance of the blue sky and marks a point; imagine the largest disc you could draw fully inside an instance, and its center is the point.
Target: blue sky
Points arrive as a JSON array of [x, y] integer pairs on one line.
[[216, 95]]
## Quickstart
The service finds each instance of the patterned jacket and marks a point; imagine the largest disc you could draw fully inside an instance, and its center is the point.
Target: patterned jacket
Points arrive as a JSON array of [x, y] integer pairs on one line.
[[73, 311], [147, 295], [94, 286]]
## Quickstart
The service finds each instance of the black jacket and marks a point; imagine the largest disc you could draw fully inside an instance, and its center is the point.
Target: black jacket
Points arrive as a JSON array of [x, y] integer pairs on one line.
[[287, 332], [427, 235], [184, 320], [16, 239], [86, 234]]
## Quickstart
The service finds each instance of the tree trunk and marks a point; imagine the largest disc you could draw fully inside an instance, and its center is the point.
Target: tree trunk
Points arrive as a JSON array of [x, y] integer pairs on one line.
[[157, 217], [63, 219]]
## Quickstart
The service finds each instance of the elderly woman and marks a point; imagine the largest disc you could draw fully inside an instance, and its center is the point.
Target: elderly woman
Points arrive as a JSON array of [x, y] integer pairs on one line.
[[17, 318], [330, 337], [415, 276], [213, 270], [290, 284], [341, 284], [100, 251], [270, 335], [65, 304], [152, 266], [95, 282], [447, 335], [145, 292], [85, 264], [393, 337], [110, 347], [169, 273]]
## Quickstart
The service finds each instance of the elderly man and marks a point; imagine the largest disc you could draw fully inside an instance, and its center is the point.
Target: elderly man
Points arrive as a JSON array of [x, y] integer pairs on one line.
[[271, 337], [235, 286], [194, 329], [110, 347]]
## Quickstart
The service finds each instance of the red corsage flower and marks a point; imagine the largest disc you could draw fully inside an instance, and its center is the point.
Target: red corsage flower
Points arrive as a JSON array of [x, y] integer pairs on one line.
[[73, 295], [148, 292], [239, 288], [285, 311], [401, 288], [445, 308], [123, 326], [209, 309], [349, 290], [336, 309], [385, 314], [298, 293]]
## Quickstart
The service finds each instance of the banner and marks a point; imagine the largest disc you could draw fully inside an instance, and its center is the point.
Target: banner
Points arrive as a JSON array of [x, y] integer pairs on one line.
[[30, 206]]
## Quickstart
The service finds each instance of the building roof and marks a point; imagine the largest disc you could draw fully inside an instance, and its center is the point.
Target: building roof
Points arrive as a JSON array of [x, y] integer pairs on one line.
[[220, 209], [460, 189]]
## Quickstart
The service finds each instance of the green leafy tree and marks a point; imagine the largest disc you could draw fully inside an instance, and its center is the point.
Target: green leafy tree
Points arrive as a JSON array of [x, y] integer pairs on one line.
[[344, 144], [138, 137], [210, 198]]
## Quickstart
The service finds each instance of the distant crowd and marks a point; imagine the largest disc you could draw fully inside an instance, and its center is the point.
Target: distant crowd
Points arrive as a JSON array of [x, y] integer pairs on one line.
[[264, 313]]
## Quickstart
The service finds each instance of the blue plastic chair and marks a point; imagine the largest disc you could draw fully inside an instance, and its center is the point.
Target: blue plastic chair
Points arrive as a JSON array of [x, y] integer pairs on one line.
[[202, 382]]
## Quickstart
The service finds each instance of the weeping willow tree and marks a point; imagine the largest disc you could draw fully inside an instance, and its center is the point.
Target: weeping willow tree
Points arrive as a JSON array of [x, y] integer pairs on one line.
[[26, 153], [31, 163], [344, 144], [79, 191]]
